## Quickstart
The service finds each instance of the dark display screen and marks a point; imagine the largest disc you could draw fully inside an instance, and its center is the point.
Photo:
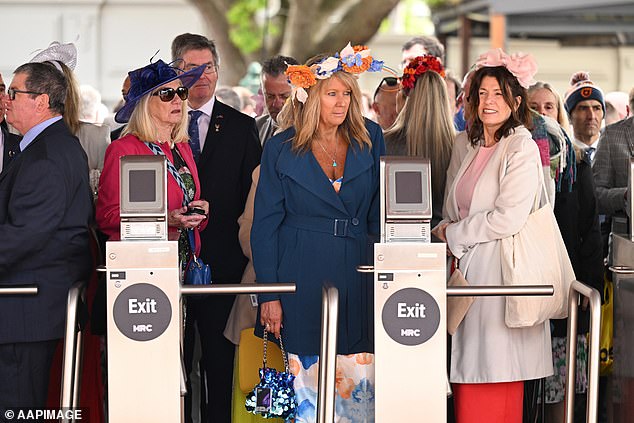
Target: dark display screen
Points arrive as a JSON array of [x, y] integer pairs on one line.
[[409, 187], [142, 186]]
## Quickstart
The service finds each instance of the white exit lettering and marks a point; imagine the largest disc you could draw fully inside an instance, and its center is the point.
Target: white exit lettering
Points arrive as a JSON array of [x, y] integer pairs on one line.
[[416, 311], [141, 307]]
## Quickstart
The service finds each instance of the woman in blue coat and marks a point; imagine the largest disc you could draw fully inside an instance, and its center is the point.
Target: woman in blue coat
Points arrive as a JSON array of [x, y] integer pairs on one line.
[[316, 205]]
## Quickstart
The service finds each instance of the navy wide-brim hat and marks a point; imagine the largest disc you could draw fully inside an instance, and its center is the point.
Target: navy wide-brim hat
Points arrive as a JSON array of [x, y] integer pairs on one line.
[[145, 80]]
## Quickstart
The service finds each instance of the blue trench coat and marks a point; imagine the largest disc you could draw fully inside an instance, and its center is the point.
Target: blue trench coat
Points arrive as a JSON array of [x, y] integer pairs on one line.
[[304, 232]]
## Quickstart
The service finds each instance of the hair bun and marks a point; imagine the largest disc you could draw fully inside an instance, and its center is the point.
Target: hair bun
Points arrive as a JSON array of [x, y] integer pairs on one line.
[[579, 77]]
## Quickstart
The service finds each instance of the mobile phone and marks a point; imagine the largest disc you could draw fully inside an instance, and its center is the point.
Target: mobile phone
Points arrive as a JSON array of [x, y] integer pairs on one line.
[[194, 210], [262, 400]]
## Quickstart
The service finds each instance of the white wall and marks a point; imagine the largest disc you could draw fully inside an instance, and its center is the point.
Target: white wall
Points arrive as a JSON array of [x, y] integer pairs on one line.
[[611, 68], [112, 36]]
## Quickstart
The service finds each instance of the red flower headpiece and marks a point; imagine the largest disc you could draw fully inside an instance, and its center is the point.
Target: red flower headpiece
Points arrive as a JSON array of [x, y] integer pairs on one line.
[[418, 66]]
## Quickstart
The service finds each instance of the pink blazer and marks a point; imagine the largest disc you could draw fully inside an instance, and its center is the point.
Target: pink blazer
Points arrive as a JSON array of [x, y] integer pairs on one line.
[[107, 210]]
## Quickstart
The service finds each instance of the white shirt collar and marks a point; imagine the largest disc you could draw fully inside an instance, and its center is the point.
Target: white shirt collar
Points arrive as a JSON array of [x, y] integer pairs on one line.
[[206, 108]]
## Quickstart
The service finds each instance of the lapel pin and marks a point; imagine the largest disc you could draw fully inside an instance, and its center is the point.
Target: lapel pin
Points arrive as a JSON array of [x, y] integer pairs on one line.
[[217, 123]]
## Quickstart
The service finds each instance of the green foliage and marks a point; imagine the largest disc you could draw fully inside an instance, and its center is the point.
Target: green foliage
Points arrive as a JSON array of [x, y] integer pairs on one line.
[[244, 32], [437, 4]]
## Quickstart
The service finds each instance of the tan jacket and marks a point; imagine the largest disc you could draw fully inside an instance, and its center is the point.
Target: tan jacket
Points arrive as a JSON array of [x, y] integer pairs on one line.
[[243, 313]]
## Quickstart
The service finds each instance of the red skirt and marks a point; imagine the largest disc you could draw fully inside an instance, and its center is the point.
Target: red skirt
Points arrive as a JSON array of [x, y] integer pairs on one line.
[[489, 402]]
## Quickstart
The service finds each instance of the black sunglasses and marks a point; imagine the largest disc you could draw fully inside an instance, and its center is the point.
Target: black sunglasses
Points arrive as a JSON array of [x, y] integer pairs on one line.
[[390, 81], [167, 94]]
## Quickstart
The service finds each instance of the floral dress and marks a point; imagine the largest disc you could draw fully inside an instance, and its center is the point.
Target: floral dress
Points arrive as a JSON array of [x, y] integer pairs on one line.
[[184, 248]]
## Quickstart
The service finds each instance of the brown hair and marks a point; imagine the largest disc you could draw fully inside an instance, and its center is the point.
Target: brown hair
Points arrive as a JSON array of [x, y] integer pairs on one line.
[[520, 115]]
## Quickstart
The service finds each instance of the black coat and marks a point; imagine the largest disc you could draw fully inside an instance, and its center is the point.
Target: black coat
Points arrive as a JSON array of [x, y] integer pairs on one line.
[[45, 211], [578, 220], [230, 153]]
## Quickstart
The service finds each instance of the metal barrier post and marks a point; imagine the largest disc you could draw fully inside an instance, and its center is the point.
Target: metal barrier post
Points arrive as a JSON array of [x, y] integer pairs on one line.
[[328, 355], [577, 289], [71, 361]]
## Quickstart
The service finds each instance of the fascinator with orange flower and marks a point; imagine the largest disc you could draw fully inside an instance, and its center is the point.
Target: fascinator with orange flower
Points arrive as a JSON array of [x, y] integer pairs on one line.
[[354, 60]]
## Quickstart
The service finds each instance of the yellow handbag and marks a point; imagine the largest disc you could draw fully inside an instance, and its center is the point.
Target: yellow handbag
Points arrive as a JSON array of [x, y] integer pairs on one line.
[[250, 352], [606, 356]]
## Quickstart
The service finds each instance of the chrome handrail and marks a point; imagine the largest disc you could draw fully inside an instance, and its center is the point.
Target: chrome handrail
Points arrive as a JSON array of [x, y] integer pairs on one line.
[[577, 288], [71, 360], [242, 288], [500, 290], [328, 355], [229, 289], [18, 290]]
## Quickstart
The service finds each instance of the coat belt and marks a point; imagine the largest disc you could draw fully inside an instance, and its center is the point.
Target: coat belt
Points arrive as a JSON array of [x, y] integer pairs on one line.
[[339, 227]]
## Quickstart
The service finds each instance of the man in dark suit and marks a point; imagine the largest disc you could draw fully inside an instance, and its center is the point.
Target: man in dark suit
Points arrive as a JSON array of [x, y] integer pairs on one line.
[[276, 89], [226, 148], [45, 210]]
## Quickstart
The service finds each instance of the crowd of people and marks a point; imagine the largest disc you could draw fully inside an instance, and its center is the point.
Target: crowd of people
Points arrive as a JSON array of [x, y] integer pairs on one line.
[[291, 193]]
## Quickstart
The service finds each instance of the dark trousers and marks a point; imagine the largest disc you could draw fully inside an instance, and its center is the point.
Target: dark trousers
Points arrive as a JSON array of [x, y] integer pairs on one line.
[[210, 314], [24, 373]]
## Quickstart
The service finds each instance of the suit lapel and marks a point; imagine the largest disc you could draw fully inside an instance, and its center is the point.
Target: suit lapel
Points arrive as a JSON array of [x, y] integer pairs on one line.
[[216, 131], [49, 129]]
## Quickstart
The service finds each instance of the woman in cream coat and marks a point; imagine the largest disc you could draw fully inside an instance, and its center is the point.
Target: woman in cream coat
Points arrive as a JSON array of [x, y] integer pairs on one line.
[[493, 179]]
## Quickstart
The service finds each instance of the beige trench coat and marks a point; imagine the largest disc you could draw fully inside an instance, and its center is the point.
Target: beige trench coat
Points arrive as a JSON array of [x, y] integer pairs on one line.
[[484, 350]]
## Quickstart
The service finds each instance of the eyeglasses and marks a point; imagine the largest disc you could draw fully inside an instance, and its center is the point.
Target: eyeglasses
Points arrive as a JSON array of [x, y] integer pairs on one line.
[[180, 66], [167, 94], [12, 92]]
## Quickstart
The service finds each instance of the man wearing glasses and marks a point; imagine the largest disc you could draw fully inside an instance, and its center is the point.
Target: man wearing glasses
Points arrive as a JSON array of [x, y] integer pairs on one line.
[[384, 101], [226, 147], [45, 212]]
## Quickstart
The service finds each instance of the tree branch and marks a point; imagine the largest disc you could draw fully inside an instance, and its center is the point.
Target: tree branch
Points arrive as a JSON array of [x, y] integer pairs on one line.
[[232, 63], [356, 25]]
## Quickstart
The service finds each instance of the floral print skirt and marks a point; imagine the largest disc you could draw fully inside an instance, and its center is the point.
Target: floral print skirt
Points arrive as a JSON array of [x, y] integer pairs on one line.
[[555, 384], [354, 398]]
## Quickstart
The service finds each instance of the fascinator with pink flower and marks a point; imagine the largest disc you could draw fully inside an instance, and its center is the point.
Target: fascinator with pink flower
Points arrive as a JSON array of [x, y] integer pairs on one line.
[[521, 65]]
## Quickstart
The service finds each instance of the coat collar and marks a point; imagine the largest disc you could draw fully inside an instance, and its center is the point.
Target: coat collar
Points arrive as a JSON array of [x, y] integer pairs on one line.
[[452, 207], [304, 169]]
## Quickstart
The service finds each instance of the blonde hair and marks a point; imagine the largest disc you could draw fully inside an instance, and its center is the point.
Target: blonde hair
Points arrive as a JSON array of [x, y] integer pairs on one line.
[[72, 101], [305, 116], [426, 124], [562, 116], [143, 127]]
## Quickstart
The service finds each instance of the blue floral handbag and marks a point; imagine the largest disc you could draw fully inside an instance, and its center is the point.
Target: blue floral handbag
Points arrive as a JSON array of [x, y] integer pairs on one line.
[[274, 396]]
